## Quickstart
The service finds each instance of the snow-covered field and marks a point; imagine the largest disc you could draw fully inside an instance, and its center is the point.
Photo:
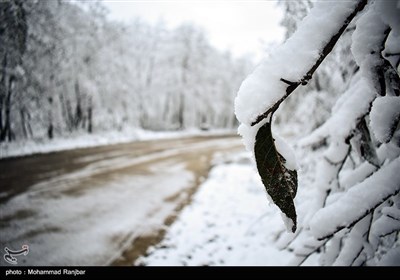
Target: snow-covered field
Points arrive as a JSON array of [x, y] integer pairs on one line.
[[229, 222]]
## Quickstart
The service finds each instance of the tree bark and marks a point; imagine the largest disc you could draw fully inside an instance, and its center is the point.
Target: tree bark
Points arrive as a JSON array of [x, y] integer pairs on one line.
[[3, 87], [50, 118], [90, 113], [7, 133]]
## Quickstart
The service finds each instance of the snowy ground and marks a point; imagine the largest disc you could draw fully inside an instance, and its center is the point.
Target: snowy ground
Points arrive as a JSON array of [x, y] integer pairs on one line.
[[30, 146], [229, 222]]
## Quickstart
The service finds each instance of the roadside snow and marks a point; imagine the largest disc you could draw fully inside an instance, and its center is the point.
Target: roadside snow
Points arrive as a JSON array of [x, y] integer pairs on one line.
[[29, 147], [229, 222]]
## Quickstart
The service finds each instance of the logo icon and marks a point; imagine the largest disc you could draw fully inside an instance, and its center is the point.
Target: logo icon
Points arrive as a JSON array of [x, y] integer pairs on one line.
[[9, 256]]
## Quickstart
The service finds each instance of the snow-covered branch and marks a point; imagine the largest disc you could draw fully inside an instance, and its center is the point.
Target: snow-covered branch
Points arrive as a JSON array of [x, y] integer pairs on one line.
[[323, 53], [357, 202], [354, 209], [273, 81]]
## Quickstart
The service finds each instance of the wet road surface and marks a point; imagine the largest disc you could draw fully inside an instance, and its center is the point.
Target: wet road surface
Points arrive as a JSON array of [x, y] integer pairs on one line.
[[101, 205]]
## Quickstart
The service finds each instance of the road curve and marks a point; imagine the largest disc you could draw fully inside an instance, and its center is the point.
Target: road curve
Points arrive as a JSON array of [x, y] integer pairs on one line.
[[101, 205]]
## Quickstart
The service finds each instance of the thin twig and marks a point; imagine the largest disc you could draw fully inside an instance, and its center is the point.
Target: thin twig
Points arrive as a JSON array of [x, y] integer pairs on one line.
[[306, 256]]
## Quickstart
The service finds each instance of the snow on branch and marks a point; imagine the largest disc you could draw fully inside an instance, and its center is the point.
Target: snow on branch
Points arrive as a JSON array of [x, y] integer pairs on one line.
[[354, 243], [385, 116], [387, 224], [345, 116], [273, 81], [357, 202], [369, 41], [295, 62]]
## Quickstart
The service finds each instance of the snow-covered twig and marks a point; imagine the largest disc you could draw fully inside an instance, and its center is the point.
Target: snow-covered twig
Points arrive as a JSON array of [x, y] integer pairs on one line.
[[365, 195], [306, 256], [292, 85]]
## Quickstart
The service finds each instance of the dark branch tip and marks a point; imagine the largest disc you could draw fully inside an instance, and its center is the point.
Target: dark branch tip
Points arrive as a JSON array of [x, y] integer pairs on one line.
[[287, 82]]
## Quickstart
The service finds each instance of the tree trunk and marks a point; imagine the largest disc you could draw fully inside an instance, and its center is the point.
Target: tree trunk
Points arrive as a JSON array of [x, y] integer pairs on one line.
[[78, 110], [6, 133], [3, 87], [181, 111], [90, 111], [50, 127], [23, 122]]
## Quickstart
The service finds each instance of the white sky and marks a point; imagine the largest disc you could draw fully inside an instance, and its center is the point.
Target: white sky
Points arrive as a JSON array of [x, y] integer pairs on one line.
[[239, 26]]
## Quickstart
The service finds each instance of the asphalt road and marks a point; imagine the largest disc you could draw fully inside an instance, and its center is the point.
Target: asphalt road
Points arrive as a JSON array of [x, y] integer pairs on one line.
[[102, 205]]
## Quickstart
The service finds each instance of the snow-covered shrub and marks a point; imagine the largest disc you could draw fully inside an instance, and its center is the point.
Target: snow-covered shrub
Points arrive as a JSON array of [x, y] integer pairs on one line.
[[352, 216]]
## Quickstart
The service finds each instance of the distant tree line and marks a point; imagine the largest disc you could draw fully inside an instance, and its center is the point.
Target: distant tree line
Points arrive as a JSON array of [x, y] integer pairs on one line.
[[66, 69]]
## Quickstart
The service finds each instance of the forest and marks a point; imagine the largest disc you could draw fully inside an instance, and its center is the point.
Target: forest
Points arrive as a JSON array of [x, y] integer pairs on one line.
[[66, 70]]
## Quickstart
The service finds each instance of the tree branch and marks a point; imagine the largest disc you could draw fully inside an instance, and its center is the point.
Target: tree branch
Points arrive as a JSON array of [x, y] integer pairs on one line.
[[306, 256], [388, 54], [384, 65], [324, 53], [366, 213]]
